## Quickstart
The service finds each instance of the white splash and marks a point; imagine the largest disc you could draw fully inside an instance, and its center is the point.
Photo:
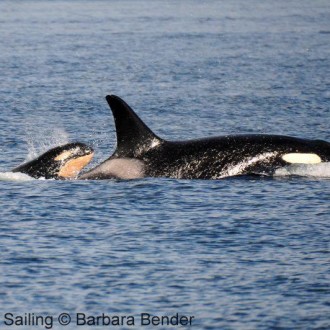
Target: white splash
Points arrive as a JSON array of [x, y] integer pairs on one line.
[[40, 141], [10, 176], [321, 170]]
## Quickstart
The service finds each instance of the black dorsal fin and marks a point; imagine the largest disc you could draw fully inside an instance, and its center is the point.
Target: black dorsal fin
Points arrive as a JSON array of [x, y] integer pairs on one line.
[[133, 135]]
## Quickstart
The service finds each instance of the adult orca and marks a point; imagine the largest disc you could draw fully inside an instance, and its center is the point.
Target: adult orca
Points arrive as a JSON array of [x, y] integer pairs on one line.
[[63, 162], [141, 153]]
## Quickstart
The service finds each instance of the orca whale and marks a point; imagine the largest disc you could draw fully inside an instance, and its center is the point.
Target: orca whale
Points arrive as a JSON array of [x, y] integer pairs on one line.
[[141, 153], [63, 162]]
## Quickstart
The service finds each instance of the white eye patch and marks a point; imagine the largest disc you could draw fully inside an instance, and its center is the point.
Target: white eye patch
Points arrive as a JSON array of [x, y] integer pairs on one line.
[[297, 158], [64, 155]]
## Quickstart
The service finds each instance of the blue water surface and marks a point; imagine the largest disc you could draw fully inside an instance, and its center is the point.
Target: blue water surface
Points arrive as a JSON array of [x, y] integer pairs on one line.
[[238, 253]]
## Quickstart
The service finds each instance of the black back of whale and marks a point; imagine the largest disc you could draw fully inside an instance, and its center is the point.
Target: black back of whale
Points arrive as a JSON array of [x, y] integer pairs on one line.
[[213, 158], [208, 158]]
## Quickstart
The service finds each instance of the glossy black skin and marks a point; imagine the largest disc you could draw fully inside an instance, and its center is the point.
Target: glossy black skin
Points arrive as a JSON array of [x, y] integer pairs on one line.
[[209, 158], [45, 166]]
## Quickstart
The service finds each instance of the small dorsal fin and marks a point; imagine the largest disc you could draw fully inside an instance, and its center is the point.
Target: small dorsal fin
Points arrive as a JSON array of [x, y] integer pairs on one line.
[[133, 135]]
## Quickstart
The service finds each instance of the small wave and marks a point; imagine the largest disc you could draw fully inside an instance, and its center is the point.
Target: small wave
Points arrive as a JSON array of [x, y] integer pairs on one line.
[[10, 176], [321, 170]]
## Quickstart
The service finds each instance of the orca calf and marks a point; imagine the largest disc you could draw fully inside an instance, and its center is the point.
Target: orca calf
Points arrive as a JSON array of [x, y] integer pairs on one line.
[[63, 162], [141, 153]]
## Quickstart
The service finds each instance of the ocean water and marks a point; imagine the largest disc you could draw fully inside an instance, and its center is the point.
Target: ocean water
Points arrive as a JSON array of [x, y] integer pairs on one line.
[[237, 253]]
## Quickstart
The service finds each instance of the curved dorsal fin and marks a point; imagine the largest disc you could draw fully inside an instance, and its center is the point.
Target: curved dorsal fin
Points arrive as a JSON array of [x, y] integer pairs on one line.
[[133, 135]]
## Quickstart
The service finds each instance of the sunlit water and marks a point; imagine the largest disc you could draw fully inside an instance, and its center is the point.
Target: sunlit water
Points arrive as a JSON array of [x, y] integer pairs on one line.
[[237, 253]]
